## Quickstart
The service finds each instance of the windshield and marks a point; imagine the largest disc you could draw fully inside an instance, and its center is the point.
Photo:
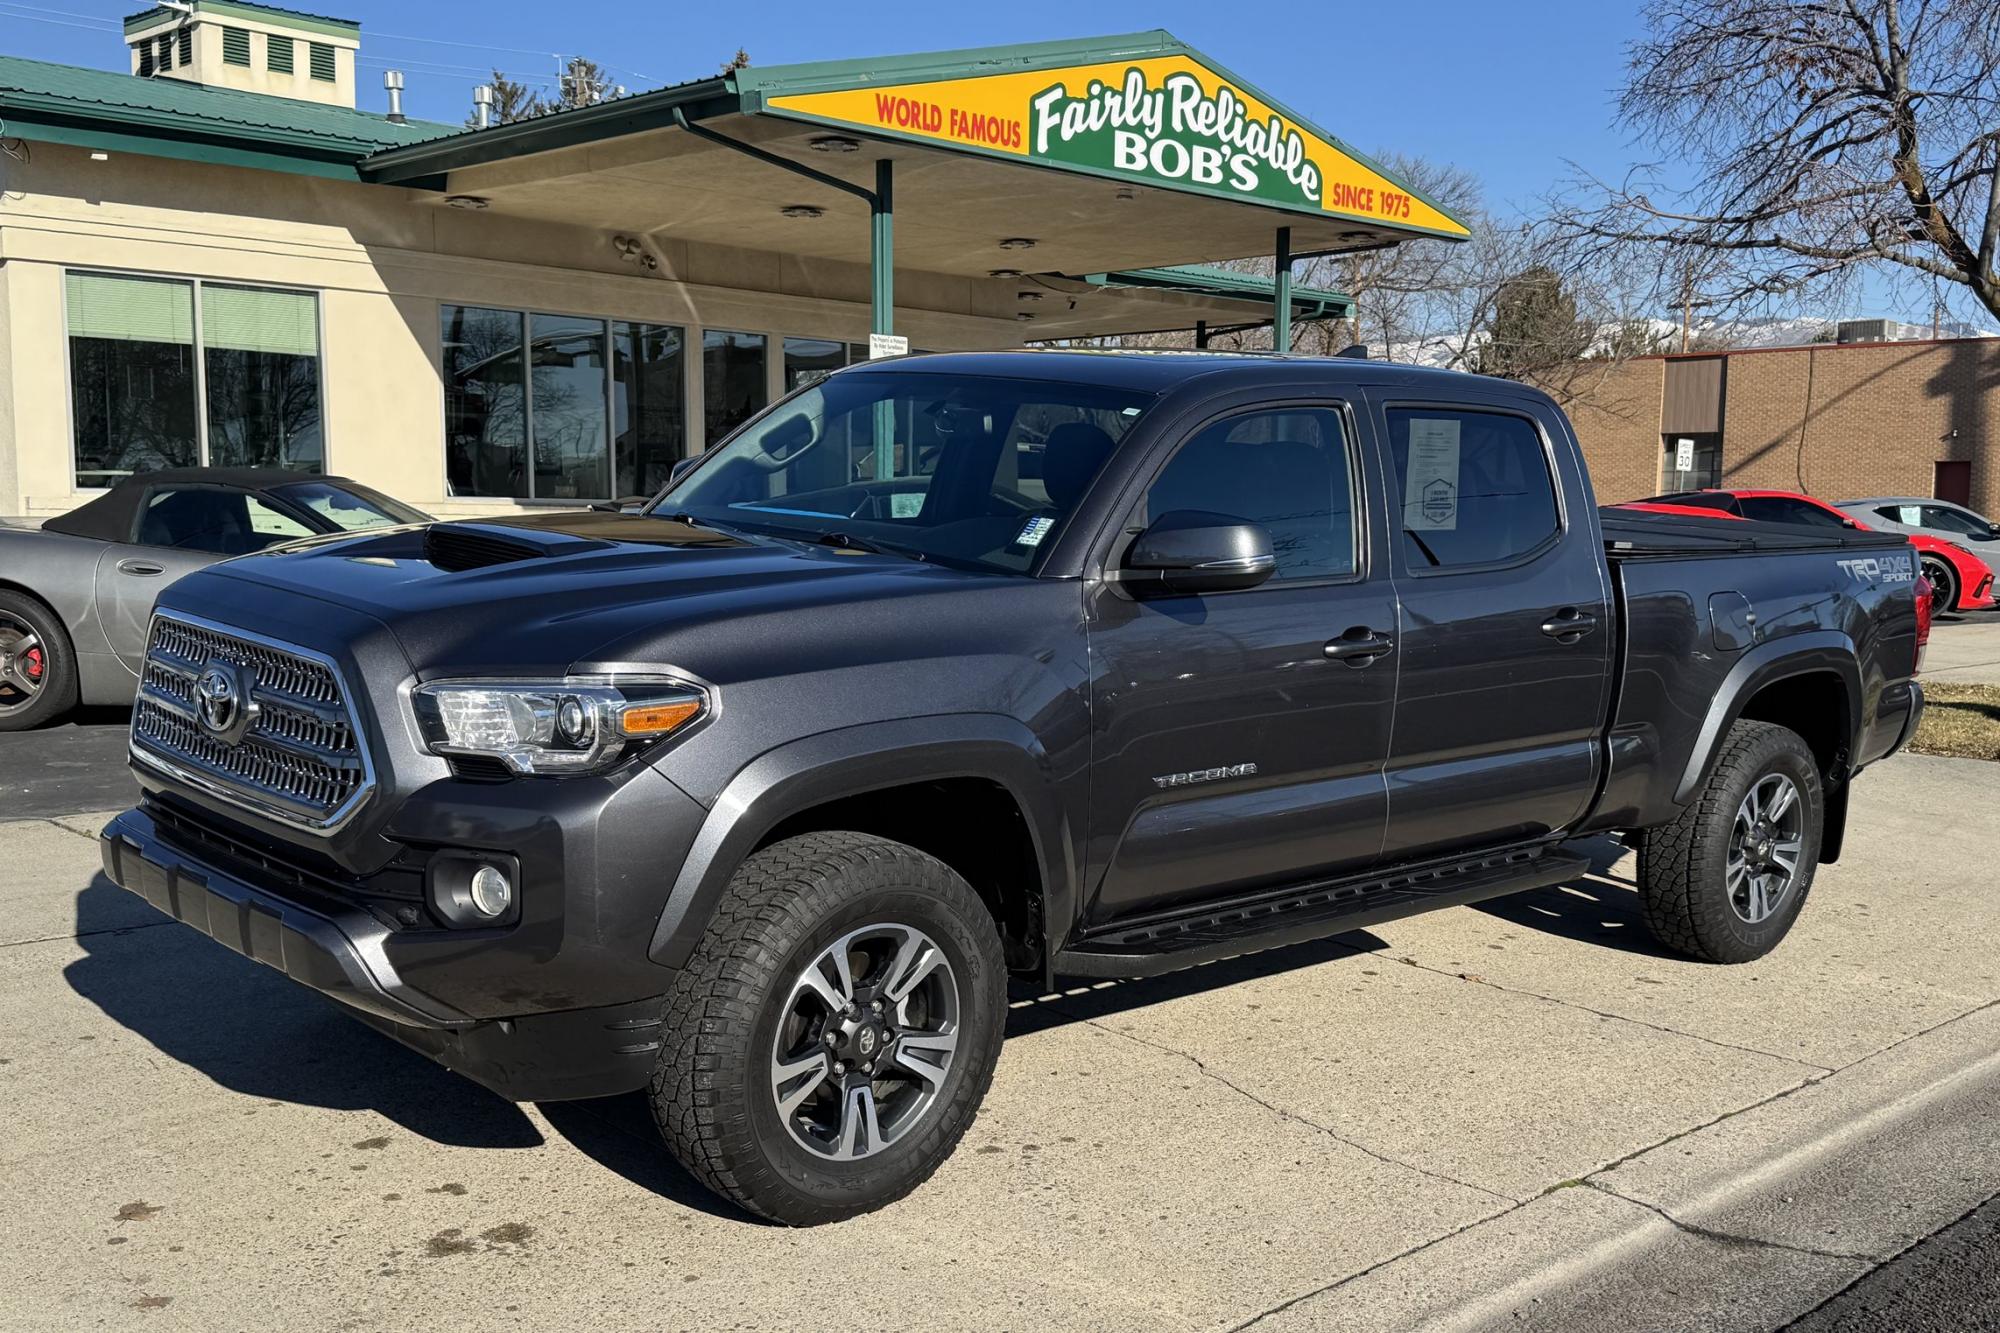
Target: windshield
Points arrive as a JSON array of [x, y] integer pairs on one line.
[[349, 509], [965, 470]]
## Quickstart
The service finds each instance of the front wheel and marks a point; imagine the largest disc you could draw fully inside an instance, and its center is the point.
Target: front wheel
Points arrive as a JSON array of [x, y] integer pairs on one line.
[[1944, 584], [1725, 881], [835, 1031]]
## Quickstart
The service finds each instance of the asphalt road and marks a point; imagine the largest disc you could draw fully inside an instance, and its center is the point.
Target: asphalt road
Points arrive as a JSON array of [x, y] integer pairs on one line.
[[1944, 1284], [78, 765]]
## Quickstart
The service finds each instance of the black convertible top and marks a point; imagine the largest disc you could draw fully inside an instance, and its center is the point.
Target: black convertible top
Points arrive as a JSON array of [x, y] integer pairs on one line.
[[111, 516]]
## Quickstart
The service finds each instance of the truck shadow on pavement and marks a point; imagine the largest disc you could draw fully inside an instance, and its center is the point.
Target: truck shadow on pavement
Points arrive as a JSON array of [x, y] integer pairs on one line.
[[259, 1034], [1600, 908]]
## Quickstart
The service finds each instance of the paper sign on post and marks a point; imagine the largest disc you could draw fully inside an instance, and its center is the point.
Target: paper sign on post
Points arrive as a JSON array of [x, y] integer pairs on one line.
[[887, 344], [1683, 455], [1430, 481]]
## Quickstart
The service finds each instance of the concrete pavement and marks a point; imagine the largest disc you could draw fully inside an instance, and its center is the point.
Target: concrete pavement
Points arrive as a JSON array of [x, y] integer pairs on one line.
[[1965, 649], [1520, 1113]]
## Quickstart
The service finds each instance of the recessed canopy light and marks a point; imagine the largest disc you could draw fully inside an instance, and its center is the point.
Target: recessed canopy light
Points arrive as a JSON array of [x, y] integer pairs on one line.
[[472, 201], [1003, 272], [1127, 192], [1018, 243], [1023, 316], [802, 211], [834, 143], [1027, 296]]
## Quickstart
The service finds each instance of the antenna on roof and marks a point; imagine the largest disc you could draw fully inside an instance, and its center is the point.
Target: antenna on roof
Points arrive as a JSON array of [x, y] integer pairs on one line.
[[392, 79]]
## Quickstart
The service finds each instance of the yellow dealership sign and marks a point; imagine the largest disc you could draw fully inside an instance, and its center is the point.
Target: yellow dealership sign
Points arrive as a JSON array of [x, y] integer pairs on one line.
[[1166, 120]]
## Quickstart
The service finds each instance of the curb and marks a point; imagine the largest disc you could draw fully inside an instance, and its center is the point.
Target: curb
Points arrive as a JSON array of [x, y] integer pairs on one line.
[[1746, 1222]]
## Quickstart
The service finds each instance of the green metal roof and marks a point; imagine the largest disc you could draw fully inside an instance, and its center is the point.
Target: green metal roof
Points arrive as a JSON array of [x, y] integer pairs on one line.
[[163, 117], [292, 18], [1204, 280]]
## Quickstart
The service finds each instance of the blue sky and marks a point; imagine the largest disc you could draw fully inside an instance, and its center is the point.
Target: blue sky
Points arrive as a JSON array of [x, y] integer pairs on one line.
[[1513, 92]]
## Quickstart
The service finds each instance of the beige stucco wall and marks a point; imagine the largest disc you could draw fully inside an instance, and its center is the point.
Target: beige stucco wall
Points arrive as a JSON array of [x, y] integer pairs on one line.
[[382, 260]]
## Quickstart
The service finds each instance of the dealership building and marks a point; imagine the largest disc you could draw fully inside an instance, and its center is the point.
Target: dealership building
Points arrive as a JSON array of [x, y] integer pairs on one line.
[[215, 257]]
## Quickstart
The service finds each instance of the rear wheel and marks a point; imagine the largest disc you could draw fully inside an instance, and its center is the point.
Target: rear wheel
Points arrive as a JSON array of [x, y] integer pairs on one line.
[[37, 667], [835, 1031], [1944, 583], [1726, 880]]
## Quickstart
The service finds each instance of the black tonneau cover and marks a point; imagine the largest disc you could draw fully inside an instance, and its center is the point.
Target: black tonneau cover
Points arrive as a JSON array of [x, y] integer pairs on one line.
[[1637, 534]]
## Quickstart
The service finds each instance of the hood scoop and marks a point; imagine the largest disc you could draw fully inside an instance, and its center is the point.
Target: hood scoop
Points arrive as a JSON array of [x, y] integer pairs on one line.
[[454, 547]]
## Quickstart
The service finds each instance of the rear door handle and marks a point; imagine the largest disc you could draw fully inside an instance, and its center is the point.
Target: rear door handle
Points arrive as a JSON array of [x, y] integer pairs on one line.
[[140, 567], [1569, 625], [1358, 647]]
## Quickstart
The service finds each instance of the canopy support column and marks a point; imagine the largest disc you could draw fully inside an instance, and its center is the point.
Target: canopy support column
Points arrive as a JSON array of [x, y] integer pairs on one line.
[[882, 301], [1281, 298], [1201, 333]]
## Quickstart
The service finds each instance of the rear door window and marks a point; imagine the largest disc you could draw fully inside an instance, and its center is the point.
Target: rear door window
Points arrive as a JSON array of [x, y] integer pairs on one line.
[[1472, 487]]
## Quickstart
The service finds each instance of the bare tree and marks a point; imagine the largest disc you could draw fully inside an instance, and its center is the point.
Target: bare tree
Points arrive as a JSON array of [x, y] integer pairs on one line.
[[1825, 139]]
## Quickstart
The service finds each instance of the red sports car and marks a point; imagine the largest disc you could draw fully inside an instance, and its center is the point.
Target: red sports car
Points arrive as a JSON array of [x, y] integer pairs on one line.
[[1960, 580]]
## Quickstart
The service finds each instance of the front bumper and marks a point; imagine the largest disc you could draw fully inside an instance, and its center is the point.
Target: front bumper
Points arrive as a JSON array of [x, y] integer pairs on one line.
[[342, 952]]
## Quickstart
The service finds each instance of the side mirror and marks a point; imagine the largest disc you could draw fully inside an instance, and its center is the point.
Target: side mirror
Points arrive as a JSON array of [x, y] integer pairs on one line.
[[1191, 551], [682, 468]]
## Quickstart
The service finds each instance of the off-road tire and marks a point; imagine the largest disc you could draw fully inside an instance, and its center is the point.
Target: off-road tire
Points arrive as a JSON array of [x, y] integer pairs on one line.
[[711, 1094], [57, 695], [1682, 876]]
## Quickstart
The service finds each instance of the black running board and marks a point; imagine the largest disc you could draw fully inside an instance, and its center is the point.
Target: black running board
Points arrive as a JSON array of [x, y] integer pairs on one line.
[[1310, 912]]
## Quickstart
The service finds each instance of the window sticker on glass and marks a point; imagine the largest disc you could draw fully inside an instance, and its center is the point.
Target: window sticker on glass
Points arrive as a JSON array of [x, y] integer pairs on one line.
[[1430, 482], [1034, 530], [906, 504]]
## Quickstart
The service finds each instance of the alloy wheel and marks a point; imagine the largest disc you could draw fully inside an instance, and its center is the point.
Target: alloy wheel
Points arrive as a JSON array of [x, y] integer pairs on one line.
[[1764, 847], [23, 664], [865, 1040]]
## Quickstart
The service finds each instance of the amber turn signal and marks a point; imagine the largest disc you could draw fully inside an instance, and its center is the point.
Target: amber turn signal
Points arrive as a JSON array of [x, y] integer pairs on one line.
[[657, 719]]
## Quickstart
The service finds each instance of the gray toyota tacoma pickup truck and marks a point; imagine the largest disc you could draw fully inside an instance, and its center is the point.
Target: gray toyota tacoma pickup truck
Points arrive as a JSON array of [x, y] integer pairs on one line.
[[958, 668]]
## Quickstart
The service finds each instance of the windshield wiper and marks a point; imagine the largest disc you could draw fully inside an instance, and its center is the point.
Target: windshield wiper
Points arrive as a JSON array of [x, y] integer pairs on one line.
[[868, 544]]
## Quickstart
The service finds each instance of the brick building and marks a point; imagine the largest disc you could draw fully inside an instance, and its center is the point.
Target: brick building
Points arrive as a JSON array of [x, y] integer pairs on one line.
[[1833, 420]]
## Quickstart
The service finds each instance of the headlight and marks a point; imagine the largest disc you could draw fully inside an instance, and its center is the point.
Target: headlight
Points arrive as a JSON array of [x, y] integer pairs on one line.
[[580, 725]]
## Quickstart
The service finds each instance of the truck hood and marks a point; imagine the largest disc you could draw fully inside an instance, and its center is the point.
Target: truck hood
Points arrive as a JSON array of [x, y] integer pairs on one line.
[[567, 591]]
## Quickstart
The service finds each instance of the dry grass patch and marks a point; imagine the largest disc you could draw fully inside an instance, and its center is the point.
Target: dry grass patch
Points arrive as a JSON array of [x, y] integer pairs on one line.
[[1960, 720]]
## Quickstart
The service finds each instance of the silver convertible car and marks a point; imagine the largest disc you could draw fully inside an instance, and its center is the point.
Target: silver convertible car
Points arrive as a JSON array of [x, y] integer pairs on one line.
[[77, 594]]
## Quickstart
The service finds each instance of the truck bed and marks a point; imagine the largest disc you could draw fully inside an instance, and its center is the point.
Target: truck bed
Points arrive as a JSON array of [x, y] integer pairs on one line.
[[1637, 534]]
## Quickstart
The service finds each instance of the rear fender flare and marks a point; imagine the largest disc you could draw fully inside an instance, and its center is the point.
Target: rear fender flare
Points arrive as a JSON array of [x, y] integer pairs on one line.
[[1811, 652], [815, 769]]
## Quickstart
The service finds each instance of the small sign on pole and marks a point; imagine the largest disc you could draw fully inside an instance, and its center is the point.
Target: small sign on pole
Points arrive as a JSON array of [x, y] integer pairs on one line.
[[1683, 455], [887, 344]]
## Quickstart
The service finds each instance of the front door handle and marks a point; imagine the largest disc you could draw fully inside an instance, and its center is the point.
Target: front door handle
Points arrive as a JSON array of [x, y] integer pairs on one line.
[[143, 568], [1569, 624], [1358, 647]]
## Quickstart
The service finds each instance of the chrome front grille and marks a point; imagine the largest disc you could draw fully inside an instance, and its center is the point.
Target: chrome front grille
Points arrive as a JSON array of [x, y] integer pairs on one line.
[[300, 759]]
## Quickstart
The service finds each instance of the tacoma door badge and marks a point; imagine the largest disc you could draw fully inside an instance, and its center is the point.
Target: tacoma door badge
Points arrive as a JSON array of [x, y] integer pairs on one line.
[[1204, 775]]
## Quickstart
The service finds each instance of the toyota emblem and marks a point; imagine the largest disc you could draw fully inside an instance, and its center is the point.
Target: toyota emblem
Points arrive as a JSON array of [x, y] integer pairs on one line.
[[222, 701]]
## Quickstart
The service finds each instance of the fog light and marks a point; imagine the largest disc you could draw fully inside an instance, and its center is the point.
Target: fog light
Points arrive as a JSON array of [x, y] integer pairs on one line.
[[491, 893]]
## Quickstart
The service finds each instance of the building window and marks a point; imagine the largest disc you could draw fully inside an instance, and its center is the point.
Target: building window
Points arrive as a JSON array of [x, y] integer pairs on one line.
[[566, 407], [260, 368], [186, 42], [236, 47], [485, 402], [1702, 455], [319, 57], [809, 359], [146, 392], [278, 54], [132, 376], [560, 407], [733, 383], [648, 405]]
